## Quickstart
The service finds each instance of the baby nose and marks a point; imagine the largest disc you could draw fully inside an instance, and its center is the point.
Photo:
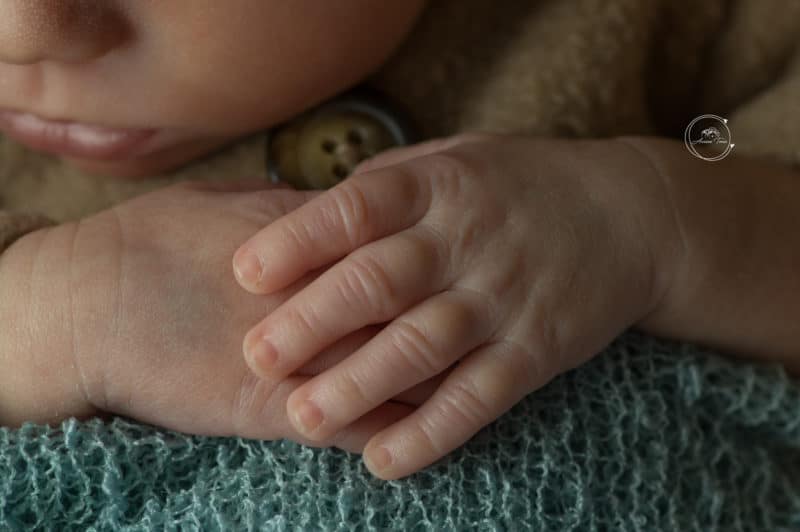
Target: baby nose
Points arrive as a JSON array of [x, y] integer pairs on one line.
[[72, 31]]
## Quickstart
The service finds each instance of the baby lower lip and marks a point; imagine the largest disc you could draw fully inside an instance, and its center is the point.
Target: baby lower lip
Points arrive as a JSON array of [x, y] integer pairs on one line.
[[73, 139]]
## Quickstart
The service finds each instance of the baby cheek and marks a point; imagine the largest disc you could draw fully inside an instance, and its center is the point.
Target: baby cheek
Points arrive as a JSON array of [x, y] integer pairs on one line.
[[244, 65], [218, 65]]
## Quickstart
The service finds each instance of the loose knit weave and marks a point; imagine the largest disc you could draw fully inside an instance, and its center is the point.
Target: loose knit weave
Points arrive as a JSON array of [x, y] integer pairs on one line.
[[650, 435]]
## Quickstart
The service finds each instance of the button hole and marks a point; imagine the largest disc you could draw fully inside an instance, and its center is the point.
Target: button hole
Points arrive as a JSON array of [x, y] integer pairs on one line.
[[329, 146], [340, 171], [355, 138]]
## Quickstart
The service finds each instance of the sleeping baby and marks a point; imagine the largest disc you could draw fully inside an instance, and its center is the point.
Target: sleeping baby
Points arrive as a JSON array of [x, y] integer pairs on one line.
[[394, 288]]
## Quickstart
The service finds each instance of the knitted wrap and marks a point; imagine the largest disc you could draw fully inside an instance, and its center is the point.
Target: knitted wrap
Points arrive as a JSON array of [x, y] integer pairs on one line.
[[650, 435]]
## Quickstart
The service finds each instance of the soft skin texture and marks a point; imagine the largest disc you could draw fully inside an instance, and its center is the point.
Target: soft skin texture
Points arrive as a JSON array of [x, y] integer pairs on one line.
[[475, 249], [519, 259], [527, 256], [477, 268], [202, 72], [136, 312]]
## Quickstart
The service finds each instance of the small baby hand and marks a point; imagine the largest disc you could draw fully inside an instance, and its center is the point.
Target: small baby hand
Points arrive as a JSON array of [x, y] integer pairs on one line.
[[497, 262], [133, 312]]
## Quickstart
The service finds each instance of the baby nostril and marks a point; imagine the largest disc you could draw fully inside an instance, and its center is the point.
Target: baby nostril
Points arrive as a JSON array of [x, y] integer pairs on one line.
[[69, 31], [328, 146]]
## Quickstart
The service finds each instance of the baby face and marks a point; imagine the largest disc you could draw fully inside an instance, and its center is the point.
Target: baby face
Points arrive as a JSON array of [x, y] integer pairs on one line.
[[132, 87]]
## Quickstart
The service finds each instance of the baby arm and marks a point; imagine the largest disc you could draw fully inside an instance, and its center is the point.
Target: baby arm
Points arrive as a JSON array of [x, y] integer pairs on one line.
[[737, 286], [39, 380]]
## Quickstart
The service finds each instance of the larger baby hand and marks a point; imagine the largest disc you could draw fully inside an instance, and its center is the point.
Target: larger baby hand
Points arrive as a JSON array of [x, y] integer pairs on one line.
[[152, 320], [516, 258]]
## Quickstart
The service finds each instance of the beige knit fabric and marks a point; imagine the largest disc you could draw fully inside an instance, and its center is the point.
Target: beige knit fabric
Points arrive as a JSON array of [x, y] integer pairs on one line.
[[13, 226], [574, 68]]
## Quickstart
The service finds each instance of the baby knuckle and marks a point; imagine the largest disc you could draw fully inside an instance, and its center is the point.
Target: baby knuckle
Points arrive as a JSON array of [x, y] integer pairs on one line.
[[417, 350], [424, 249], [355, 388], [306, 319], [352, 212], [459, 318], [466, 402], [428, 436], [251, 408], [482, 307], [297, 235], [448, 171], [365, 283], [467, 238], [537, 359], [506, 282]]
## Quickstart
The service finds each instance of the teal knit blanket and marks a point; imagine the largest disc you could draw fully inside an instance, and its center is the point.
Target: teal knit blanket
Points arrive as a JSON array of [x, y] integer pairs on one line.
[[650, 435]]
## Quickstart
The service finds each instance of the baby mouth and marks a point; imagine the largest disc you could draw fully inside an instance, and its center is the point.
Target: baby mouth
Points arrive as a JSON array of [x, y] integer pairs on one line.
[[74, 139]]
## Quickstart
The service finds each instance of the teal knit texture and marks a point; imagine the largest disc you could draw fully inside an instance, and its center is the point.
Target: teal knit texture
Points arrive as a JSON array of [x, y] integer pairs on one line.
[[650, 435]]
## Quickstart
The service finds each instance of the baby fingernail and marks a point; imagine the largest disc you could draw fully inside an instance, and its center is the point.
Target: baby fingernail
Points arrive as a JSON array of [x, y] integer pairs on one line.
[[379, 458], [308, 417], [248, 268], [262, 354]]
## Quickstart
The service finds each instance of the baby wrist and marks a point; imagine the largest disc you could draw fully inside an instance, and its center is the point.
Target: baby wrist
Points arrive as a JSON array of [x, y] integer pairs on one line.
[[39, 380]]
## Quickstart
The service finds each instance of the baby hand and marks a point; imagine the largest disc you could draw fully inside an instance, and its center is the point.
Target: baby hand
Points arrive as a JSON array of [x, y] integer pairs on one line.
[[516, 259], [153, 321]]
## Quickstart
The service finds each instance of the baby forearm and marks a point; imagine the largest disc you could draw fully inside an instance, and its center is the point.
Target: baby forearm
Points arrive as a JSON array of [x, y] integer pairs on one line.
[[738, 284], [39, 381]]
